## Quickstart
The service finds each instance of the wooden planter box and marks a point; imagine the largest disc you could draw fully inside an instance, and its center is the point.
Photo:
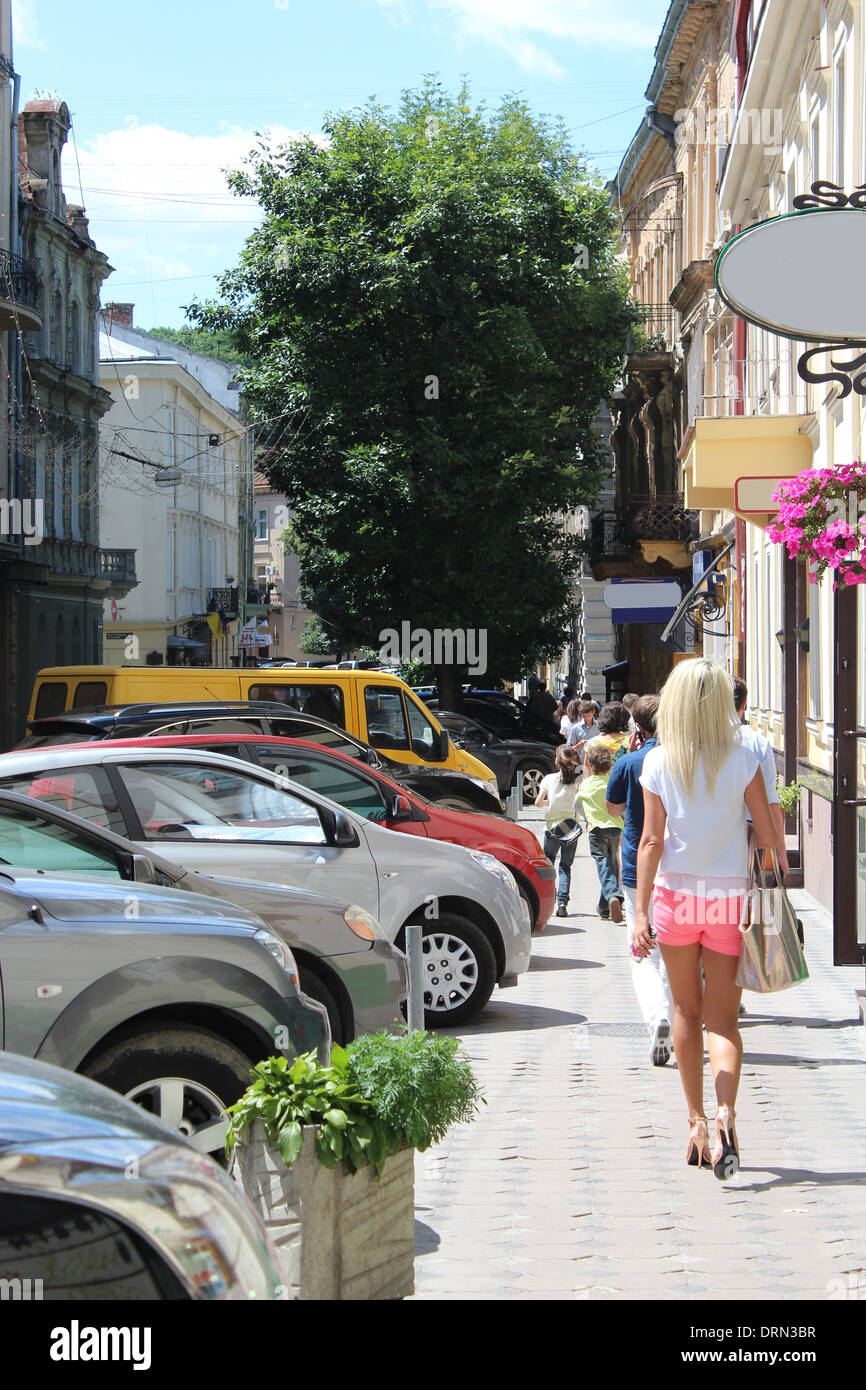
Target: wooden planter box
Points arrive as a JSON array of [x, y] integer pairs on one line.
[[337, 1236]]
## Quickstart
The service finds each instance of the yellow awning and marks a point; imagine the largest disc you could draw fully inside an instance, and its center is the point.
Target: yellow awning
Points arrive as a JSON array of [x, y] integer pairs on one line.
[[734, 463]]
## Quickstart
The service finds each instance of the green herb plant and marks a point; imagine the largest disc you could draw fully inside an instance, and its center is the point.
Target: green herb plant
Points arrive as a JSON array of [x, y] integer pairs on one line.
[[788, 796], [384, 1093]]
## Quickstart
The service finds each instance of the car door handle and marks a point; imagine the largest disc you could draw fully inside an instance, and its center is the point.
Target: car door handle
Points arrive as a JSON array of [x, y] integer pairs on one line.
[[390, 873]]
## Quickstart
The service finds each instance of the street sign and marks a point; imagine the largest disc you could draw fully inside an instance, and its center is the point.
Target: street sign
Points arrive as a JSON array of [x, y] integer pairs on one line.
[[799, 275], [642, 600], [756, 495], [114, 610]]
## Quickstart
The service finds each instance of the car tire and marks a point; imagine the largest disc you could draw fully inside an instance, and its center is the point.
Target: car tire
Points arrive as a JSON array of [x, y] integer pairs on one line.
[[181, 1073], [529, 776], [313, 986], [527, 897], [453, 941]]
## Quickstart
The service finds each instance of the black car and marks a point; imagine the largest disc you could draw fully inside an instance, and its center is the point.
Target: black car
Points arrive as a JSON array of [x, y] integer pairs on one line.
[[445, 786], [513, 760], [505, 716]]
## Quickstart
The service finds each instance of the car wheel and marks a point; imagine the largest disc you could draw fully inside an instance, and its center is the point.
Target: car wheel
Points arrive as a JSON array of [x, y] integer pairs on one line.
[[312, 985], [459, 970], [529, 776], [183, 1075]]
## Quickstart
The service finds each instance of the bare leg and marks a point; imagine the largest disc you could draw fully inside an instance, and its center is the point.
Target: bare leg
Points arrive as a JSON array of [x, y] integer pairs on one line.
[[721, 1007], [684, 976]]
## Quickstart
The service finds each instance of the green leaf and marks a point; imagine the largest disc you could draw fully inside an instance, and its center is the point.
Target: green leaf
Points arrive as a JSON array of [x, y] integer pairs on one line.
[[289, 1143]]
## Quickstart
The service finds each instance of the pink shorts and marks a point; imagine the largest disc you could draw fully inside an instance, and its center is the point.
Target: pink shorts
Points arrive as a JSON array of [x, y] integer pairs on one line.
[[683, 920]]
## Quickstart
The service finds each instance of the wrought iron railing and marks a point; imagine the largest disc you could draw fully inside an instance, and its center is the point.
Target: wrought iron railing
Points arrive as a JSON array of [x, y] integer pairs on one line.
[[223, 601], [655, 330], [18, 280], [658, 517]]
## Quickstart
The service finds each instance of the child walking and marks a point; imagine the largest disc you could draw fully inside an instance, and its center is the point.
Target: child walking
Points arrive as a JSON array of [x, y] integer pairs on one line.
[[557, 794], [604, 830]]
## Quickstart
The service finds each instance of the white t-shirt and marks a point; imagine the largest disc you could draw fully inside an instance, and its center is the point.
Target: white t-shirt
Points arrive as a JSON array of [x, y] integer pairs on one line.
[[763, 750], [560, 797], [705, 847], [565, 726]]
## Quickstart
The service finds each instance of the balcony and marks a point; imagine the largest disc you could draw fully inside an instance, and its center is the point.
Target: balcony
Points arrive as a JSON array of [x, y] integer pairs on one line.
[[655, 331], [659, 517], [19, 294], [224, 601], [118, 566]]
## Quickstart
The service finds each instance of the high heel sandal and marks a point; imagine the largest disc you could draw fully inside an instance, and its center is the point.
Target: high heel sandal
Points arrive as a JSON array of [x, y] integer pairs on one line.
[[726, 1159], [698, 1149]]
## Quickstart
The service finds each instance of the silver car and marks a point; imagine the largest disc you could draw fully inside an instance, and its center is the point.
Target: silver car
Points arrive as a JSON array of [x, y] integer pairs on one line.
[[99, 1201], [344, 960], [219, 816], [169, 998]]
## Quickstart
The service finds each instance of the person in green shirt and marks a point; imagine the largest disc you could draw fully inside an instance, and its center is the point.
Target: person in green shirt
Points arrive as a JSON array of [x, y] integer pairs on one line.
[[604, 830]]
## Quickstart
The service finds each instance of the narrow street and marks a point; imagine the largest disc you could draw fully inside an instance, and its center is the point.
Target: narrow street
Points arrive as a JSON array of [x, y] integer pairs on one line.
[[573, 1180]]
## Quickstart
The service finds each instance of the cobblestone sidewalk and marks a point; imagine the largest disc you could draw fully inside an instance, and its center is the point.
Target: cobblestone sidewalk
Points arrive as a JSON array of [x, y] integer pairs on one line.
[[572, 1181]]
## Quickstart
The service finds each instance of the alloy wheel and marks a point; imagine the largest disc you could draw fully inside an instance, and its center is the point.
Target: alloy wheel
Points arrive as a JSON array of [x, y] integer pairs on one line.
[[531, 781], [188, 1107]]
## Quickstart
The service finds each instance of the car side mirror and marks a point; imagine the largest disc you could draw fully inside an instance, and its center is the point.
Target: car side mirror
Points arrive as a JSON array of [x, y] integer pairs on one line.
[[142, 869], [444, 745], [345, 834], [401, 809]]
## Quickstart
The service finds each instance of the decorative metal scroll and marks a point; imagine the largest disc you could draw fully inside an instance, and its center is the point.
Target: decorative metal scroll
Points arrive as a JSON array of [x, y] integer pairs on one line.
[[851, 376]]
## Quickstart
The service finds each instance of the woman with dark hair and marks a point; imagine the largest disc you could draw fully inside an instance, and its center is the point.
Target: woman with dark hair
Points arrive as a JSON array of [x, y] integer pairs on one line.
[[570, 718], [614, 723]]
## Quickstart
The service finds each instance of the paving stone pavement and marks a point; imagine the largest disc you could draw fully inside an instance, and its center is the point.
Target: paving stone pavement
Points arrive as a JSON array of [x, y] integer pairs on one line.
[[572, 1181]]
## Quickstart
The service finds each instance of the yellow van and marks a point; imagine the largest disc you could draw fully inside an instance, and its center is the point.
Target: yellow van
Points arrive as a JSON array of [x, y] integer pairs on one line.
[[372, 705]]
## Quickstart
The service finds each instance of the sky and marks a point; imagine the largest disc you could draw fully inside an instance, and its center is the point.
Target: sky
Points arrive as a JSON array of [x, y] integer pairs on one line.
[[165, 97]]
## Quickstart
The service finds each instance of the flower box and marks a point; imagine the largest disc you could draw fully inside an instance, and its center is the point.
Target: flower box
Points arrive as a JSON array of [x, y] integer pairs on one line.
[[338, 1236]]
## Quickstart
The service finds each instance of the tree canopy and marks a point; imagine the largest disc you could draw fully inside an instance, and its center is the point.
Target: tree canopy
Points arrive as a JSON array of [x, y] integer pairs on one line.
[[434, 309]]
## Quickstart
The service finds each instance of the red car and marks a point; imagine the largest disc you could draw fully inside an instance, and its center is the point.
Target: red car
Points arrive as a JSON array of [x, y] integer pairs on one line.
[[372, 794]]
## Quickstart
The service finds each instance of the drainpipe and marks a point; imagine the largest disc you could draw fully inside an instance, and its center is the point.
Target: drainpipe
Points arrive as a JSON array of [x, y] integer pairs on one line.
[[15, 247], [741, 20]]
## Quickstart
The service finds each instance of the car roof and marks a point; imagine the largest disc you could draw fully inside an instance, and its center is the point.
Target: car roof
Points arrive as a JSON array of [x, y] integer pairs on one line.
[[174, 709]]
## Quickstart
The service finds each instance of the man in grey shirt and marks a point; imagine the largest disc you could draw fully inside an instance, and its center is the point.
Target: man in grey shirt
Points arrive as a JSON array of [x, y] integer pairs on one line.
[[763, 750], [585, 728]]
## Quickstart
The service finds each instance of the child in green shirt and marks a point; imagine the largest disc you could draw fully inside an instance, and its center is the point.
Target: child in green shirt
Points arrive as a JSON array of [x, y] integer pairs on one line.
[[604, 830]]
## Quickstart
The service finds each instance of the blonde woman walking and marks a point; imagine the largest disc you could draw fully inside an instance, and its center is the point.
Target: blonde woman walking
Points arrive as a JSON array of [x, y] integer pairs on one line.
[[692, 862]]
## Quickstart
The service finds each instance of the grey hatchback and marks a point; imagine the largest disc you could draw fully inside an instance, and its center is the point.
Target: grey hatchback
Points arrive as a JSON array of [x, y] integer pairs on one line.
[[169, 998], [344, 959]]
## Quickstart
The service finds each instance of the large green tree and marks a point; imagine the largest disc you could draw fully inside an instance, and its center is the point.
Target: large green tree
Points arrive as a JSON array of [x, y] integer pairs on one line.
[[435, 309]]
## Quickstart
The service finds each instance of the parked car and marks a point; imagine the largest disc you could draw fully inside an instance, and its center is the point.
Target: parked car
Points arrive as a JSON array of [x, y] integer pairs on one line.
[[509, 721], [169, 998], [101, 1201], [373, 705], [513, 760], [344, 960], [220, 816], [376, 797], [447, 786]]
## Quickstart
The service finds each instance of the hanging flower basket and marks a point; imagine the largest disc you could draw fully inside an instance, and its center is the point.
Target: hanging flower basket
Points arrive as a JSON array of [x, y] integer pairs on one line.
[[822, 520]]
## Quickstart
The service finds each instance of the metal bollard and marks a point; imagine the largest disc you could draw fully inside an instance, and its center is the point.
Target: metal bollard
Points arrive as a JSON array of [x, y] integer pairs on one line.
[[415, 956]]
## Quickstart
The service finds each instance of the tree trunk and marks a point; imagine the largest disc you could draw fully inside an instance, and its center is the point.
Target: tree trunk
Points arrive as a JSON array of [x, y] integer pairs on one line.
[[449, 682]]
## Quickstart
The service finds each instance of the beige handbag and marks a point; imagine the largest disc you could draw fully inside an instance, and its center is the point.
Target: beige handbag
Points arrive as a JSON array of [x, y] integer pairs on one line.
[[772, 957]]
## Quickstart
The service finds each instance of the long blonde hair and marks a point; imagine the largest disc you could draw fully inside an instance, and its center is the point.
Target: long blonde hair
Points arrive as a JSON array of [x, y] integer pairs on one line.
[[697, 720]]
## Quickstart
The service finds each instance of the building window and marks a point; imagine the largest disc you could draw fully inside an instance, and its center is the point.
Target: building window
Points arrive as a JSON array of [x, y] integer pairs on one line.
[[261, 524], [839, 103], [814, 651]]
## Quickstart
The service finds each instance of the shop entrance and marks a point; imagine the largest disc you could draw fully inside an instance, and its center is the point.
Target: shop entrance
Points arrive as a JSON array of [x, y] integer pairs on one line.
[[849, 779]]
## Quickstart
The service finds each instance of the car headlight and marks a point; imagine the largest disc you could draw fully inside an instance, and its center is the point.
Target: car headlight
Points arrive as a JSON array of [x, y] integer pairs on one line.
[[363, 923], [479, 782], [493, 866], [280, 951]]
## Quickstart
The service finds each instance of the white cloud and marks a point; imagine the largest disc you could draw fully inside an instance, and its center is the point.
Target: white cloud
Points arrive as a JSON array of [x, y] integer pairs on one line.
[[516, 25], [25, 25], [159, 208]]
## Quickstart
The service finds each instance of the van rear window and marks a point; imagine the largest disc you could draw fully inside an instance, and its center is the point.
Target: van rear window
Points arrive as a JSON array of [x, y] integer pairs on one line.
[[89, 693], [51, 698], [324, 701]]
